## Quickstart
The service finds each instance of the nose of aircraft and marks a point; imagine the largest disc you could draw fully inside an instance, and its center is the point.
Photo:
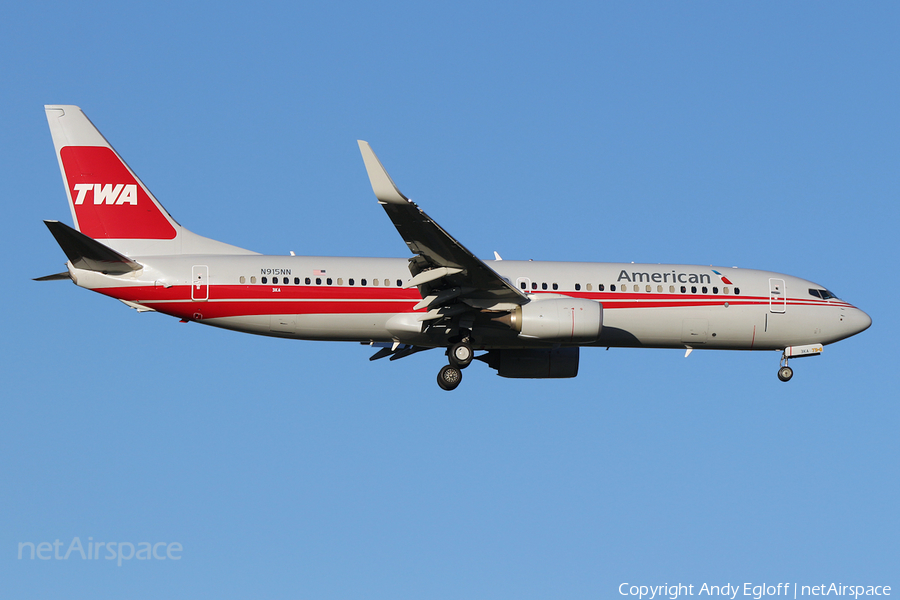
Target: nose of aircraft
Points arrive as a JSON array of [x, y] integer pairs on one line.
[[856, 321]]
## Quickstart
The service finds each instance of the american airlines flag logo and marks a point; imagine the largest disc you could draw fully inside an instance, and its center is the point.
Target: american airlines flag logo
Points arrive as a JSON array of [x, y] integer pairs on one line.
[[319, 272], [724, 279]]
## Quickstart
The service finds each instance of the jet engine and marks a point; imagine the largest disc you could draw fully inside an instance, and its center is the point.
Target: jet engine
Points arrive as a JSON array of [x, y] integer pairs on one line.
[[555, 363], [557, 320]]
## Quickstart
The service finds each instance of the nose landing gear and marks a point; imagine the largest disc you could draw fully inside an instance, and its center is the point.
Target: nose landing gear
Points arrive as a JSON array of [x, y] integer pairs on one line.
[[784, 371]]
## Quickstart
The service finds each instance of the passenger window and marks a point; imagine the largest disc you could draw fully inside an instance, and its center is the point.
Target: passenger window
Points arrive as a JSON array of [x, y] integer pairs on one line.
[[737, 291], [328, 281], [577, 287], [543, 286], [374, 282], [704, 289], [253, 279], [693, 289], [362, 282], [648, 288], [340, 281], [612, 287], [264, 280], [523, 285], [307, 281], [725, 290], [601, 287], [715, 290], [296, 281], [637, 288], [399, 283], [589, 287], [350, 281], [683, 290], [671, 289], [659, 288], [318, 281], [555, 286], [243, 279]]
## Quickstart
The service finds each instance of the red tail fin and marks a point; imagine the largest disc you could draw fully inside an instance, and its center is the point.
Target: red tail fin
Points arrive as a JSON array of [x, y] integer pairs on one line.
[[107, 200]]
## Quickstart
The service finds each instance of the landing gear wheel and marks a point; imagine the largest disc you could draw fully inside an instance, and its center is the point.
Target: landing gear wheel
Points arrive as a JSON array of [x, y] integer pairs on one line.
[[449, 377], [785, 373], [461, 355]]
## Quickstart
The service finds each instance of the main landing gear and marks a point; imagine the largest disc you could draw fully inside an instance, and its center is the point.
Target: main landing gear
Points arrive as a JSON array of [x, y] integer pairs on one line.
[[449, 377], [460, 356], [784, 371]]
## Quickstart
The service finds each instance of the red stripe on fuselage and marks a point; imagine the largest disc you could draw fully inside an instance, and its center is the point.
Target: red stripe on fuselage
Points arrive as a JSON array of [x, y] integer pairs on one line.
[[249, 300]]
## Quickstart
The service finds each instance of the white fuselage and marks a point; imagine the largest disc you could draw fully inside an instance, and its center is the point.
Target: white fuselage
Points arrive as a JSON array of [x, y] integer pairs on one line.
[[363, 299]]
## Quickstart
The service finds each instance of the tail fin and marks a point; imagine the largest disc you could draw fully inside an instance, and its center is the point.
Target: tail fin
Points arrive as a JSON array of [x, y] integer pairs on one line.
[[107, 199]]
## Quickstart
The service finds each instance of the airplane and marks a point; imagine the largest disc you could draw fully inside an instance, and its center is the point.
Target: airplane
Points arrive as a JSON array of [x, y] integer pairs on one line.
[[529, 318]]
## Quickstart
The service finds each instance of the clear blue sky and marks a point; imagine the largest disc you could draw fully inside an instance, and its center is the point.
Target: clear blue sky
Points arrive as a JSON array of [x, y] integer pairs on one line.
[[759, 134]]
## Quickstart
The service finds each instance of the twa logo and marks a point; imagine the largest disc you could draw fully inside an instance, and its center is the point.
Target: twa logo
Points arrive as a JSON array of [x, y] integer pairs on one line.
[[109, 193]]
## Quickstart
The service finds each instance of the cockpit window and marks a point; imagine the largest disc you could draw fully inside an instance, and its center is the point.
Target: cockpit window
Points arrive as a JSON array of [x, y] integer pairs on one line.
[[823, 294]]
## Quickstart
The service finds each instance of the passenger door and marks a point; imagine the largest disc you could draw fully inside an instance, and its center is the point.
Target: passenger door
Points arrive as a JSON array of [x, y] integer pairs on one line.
[[200, 283], [777, 296]]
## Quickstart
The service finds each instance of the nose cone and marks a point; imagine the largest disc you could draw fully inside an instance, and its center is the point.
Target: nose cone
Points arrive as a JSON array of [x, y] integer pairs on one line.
[[856, 321]]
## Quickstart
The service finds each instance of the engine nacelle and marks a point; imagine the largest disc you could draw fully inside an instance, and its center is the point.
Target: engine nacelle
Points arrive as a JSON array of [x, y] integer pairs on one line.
[[558, 320], [556, 363]]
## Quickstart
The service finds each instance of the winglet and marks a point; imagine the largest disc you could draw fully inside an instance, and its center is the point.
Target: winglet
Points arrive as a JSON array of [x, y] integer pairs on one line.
[[382, 184]]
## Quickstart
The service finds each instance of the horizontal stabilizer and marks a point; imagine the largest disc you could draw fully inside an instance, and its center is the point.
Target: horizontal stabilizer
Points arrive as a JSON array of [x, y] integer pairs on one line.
[[89, 254], [54, 277]]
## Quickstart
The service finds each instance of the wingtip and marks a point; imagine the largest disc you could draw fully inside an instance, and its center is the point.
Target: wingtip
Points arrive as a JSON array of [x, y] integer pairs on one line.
[[384, 187]]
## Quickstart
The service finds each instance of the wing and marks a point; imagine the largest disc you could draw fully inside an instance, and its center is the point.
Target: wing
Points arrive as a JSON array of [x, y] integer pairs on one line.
[[445, 272]]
